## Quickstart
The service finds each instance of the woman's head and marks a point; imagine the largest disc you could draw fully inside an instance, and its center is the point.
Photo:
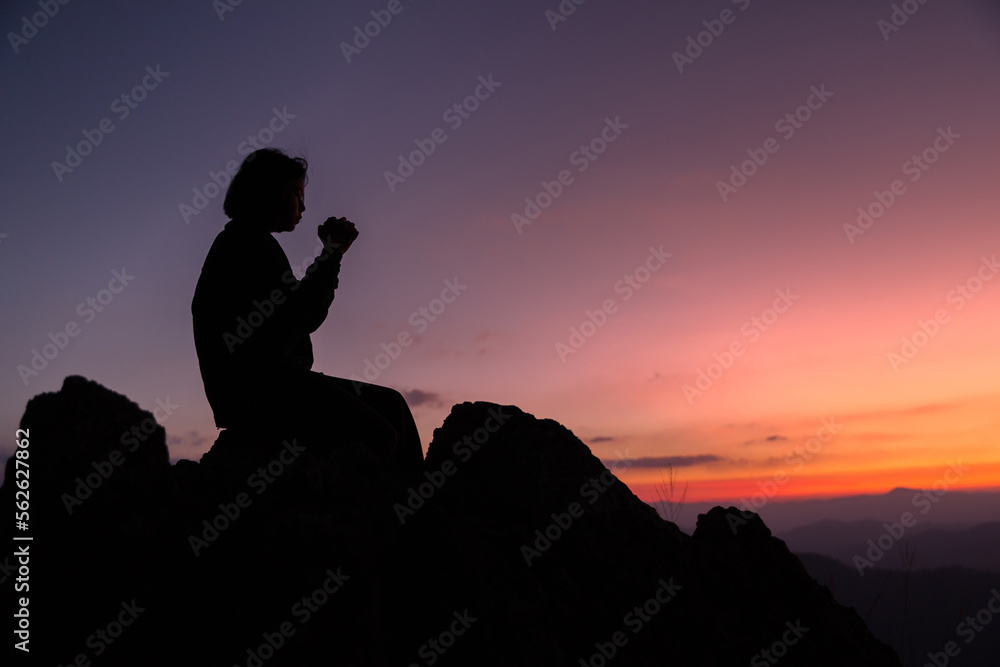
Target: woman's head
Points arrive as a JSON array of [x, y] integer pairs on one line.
[[268, 188]]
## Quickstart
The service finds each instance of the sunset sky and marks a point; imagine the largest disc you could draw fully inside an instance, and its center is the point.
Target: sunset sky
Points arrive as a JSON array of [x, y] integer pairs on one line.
[[878, 337]]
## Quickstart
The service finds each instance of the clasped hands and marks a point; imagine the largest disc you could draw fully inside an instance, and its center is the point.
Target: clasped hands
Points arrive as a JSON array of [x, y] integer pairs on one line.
[[338, 233]]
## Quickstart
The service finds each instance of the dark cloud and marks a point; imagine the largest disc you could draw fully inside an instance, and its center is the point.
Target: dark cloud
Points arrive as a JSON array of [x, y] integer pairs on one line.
[[602, 438], [770, 438], [417, 397], [675, 461]]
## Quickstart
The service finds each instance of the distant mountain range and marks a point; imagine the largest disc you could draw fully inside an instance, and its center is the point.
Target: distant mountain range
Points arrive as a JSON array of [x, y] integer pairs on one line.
[[976, 547], [924, 606], [954, 509], [919, 613]]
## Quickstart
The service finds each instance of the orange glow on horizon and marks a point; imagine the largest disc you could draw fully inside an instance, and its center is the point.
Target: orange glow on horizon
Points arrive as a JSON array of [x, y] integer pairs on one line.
[[977, 477]]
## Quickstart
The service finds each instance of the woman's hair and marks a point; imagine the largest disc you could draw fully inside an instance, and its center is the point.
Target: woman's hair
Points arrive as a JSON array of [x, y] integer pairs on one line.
[[258, 183]]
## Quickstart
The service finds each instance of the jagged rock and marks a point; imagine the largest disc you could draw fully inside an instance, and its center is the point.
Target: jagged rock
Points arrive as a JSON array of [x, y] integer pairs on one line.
[[514, 537]]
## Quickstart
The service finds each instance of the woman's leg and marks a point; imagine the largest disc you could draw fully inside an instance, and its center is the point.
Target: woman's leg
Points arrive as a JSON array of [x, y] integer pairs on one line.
[[328, 412], [391, 406], [320, 412]]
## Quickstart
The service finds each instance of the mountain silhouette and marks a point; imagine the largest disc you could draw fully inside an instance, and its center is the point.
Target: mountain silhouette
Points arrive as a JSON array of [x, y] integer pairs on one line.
[[513, 546]]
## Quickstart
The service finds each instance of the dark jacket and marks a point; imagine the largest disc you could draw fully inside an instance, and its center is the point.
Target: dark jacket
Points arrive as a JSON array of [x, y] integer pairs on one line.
[[252, 317]]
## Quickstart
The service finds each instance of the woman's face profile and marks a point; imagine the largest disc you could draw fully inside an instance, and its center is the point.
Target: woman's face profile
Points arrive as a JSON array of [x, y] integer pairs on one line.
[[289, 207]]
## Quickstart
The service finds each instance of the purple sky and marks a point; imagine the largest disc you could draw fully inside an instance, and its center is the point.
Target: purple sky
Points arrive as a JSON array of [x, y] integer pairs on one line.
[[887, 95]]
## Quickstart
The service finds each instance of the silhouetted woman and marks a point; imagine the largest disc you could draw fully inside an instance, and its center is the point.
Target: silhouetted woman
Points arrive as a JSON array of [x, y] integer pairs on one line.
[[252, 320]]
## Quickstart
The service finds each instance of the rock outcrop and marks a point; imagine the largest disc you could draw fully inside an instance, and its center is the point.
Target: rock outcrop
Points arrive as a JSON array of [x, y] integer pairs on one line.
[[515, 546]]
